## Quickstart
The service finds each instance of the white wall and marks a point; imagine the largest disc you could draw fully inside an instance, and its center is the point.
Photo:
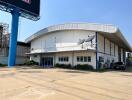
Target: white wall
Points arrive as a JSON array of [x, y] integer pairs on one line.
[[91, 54], [112, 49], [100, 43], [116, 52], [68, 41], [62, 41], [73, 58], [64, 55], [108, 55], [121, 55], [36, 58], [107, 46]]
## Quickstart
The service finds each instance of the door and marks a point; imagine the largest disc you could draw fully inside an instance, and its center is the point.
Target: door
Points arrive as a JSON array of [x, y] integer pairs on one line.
[[47, 62]]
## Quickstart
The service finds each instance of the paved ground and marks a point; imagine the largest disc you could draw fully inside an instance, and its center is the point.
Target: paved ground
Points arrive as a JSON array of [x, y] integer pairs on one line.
[[62, 84]]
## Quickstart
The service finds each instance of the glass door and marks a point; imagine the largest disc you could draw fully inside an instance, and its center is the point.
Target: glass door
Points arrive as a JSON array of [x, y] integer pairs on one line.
[[47, 61]]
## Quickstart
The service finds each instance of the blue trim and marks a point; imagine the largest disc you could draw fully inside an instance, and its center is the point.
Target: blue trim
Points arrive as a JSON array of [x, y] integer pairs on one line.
[[13, 38], [97, 67]]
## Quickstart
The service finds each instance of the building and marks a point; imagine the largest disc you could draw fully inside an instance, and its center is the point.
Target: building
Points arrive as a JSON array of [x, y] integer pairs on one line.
[[22, 47], [78, 43], [21, 56]]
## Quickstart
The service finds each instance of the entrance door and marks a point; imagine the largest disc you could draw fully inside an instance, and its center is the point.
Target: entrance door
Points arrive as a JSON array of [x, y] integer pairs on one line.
[[47, 61]]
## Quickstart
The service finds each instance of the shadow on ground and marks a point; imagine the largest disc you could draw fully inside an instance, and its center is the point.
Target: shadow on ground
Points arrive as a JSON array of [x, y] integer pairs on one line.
[[129, 69], [26, 69], [74, 71]]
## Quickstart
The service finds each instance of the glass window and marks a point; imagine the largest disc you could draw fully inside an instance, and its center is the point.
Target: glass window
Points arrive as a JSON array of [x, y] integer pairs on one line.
[[81, 59], [78, 59], [59, 59], [35, 56], [89, 59], [63, 59], [67, 59], [85, 59]]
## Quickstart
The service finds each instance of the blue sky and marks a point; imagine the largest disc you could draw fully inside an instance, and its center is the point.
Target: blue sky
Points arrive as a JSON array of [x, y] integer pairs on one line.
[[116, 12]]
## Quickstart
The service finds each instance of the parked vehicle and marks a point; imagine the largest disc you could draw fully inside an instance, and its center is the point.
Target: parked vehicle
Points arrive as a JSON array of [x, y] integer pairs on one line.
[[119, 66]]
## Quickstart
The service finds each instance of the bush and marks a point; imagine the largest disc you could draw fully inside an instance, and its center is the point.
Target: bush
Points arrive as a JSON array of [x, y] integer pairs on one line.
[[2, 65], [130, 58], [78, 67], [84, 67], [63, 65], [31, 62]]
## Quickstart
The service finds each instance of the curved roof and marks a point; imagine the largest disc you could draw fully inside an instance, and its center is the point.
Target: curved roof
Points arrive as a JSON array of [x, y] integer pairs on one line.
[[107, 30]]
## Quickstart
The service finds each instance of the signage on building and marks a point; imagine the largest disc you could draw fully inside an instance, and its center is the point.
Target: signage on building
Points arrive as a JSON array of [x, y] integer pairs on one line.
[[30, 7]]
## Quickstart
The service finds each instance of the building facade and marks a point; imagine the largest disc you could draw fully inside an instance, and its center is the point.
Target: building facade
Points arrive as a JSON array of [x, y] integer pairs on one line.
[[78, 43], [22, 47], [21, 57]]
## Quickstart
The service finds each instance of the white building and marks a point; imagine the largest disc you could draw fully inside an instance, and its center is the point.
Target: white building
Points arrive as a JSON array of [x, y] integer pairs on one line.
[[78, 43]]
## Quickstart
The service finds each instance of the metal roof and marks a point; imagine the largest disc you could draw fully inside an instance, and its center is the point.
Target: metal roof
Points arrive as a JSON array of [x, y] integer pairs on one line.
[[109, 31]]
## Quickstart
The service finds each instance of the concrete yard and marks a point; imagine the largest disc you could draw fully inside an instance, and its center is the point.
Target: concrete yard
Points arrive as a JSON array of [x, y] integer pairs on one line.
[[63, 84]]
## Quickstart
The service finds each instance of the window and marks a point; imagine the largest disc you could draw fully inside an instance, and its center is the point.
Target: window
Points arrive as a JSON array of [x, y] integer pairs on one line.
[[101, 59], [63, 59], [34, 56], [89, 59], [66, 59], [78, 59], [59, 59], [83, 59]]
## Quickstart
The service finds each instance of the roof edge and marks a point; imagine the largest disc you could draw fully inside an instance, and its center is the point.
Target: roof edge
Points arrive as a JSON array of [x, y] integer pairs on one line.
[[108, 28]]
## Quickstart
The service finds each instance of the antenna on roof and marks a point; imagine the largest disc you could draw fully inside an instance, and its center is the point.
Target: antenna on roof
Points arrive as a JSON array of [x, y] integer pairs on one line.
[[90, 38], [81, 41]]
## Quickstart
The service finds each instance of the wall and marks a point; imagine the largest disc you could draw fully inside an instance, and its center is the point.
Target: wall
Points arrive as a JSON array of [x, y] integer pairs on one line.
[[109, 50], [21, 57], [73, 58], [62, 41], [3, 60], [19, 60], [91, 54], [21, 50], [36, 58]]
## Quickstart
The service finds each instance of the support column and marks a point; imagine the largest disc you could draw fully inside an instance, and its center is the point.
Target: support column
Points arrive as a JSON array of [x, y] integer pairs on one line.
[[97, 60], [114, 49], [104, 45], [72, 58], [13, 38], [110, 48]]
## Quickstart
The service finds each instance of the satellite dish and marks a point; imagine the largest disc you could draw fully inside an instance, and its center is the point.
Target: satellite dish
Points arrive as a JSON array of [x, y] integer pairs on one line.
[[81, 41], [90, 38]]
